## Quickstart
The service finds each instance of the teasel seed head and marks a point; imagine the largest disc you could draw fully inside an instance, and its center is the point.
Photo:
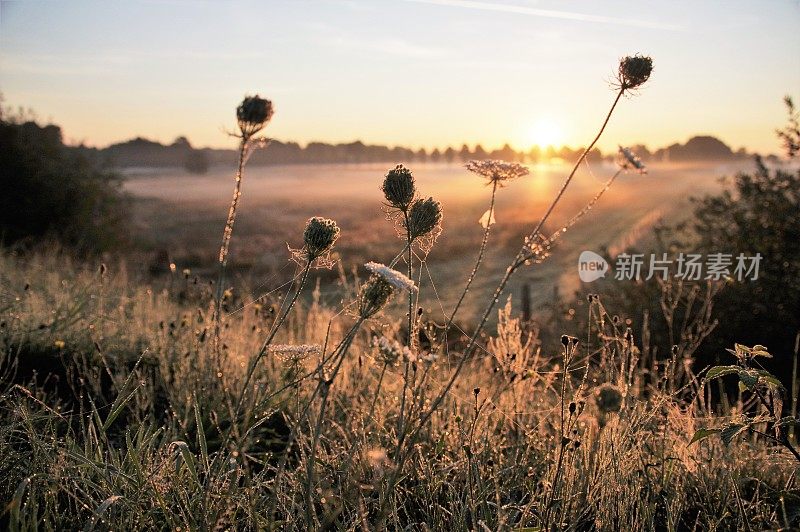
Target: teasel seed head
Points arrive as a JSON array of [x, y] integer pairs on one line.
[[253, 114], [423, 217], [374, 295], [634, 70], [319, 236], [398, 187]]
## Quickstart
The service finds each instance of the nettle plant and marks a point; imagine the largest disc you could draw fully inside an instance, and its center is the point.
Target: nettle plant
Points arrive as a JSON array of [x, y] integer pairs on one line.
[[765, 390]]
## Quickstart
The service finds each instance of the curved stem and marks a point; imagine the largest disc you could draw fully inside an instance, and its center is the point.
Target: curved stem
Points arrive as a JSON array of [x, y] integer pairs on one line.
[[572, 221], [227, 233], [518, 261], [478, 261], [410, 342], [577, 164], [251, 370]]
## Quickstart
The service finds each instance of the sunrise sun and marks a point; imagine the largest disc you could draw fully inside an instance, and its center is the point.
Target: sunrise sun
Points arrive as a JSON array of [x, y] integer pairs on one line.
[[545, 132]]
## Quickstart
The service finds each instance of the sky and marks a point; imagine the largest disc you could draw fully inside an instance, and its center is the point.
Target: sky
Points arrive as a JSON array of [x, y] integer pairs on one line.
[[416, 73]]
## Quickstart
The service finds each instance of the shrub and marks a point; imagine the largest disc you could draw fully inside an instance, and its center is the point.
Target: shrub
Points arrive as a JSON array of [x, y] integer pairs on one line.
[[49, 190]]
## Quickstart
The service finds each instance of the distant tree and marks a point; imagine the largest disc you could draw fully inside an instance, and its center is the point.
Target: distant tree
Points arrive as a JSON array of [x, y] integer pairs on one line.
[[465, 154], [196, 161], [436, 155], [449, 154], [479, 152], [422, 155], [50, 190], [790, 135]]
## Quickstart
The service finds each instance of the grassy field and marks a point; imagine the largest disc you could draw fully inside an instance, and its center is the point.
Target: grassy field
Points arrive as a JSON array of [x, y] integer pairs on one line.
[[182, 214], [131, 429], [121, 410]]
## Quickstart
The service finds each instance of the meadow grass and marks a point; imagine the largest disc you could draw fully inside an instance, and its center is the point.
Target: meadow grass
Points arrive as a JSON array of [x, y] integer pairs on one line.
[[141, 449], [179, 404]]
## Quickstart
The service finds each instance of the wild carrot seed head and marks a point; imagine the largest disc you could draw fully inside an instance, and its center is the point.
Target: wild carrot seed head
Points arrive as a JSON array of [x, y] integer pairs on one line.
[[253, 114], [374, 295], [423, 217], [634, 70], [319, 236], [628, 160], [497, 171], [393, 277], [398, 187]]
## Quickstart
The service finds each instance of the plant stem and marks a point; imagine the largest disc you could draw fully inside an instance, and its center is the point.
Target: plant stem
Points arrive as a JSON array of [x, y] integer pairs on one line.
[[478, 261], [518, 261], [410, 341], [227, 233], [264, 347]]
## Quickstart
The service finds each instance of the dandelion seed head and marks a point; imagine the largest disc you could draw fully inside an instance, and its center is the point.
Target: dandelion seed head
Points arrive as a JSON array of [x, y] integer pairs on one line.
[[497, 171]]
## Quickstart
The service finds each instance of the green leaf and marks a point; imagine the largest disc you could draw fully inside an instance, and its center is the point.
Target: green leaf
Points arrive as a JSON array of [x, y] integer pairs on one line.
[[16, 503], [99, 511], [125, 395], [730, 431], [770, 379], [702, 434], [749, 378], [188, 459], [721, 371], [201, 435], [788, 421]]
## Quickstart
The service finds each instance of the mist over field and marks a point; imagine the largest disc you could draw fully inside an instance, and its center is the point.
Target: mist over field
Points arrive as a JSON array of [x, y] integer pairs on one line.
[[181, 213]]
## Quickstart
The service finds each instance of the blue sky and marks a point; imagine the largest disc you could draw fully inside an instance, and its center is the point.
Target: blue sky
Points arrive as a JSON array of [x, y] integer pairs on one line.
[[416, 73]]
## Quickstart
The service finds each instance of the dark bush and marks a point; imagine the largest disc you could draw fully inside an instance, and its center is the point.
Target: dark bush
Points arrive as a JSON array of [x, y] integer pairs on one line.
[[49, 190]]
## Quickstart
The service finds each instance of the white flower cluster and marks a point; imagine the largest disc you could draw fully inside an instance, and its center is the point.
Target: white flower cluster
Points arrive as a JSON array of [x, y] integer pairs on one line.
[[393, 277], [497, 170], [391, 350], [301, 350]]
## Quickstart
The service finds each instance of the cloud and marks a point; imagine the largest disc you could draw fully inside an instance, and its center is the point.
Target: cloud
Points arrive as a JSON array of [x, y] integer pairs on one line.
[[548, 13]]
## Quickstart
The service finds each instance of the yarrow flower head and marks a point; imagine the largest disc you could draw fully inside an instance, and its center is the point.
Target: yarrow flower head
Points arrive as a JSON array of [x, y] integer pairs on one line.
[[319, 236], [633, 71], [253, 114], [398, 187], [497, 171], [628, 160], [424, 217], [391, 276]]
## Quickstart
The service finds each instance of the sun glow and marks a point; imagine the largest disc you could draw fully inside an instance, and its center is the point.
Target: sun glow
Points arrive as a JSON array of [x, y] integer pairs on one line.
[[545, 133]]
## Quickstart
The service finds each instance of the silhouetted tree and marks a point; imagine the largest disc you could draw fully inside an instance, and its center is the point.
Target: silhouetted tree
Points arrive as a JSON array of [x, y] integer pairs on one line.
[[50, 190]]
